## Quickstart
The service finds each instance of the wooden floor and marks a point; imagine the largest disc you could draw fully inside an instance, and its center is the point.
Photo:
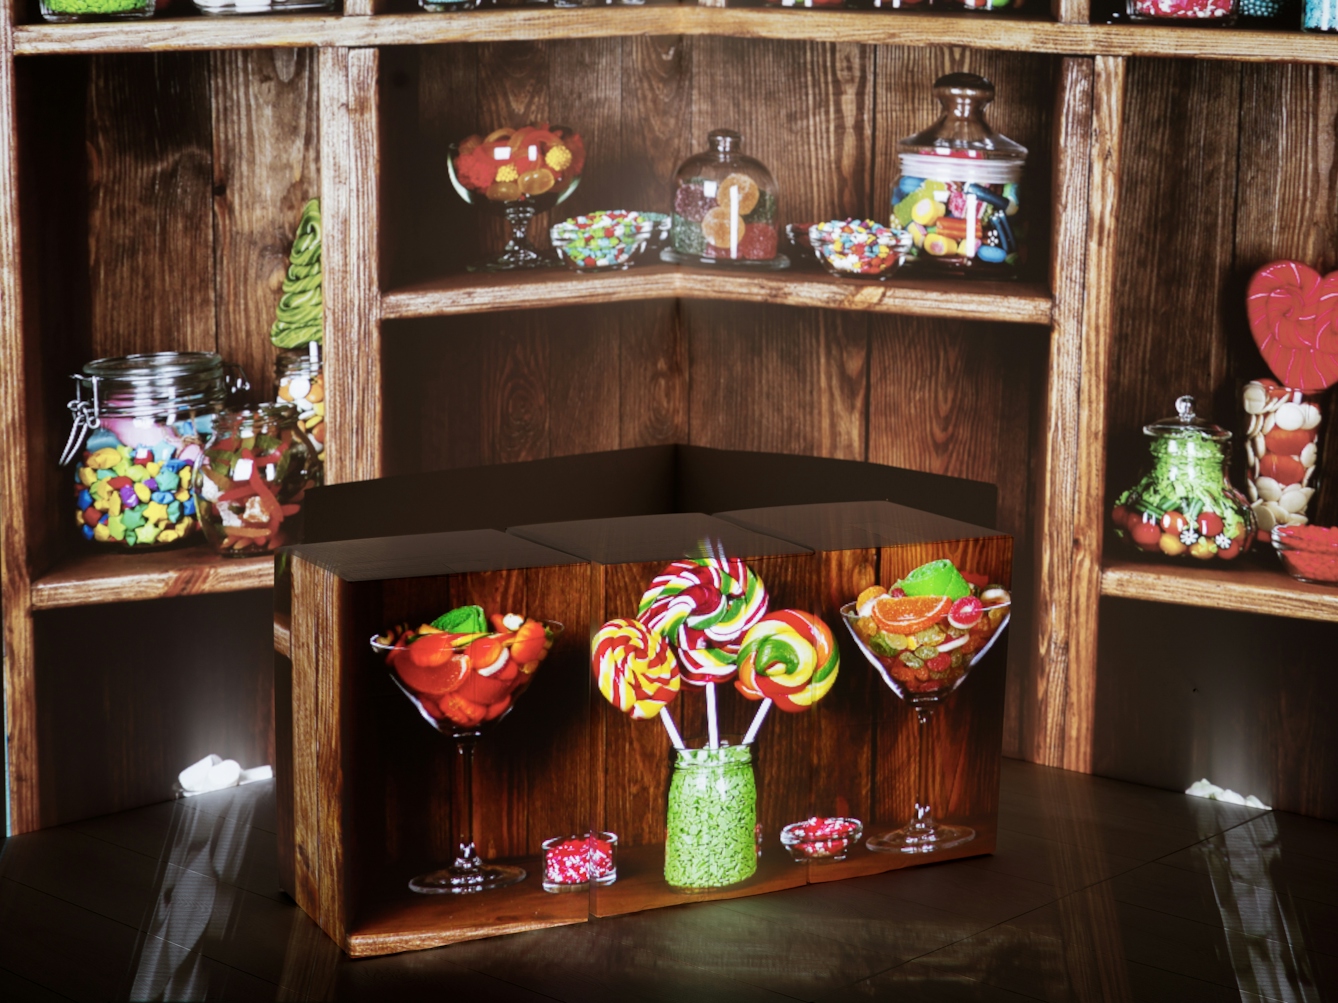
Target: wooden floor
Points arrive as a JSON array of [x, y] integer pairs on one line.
[[1100, 890]]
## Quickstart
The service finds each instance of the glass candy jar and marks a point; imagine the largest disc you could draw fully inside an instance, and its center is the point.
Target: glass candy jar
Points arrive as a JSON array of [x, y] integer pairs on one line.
[[1184, 506], [1320, 15], [1221, 12], [299, 380], [724, 207], [95, 10], [711, 840], [955, 204], [140, 422], [250, 485]]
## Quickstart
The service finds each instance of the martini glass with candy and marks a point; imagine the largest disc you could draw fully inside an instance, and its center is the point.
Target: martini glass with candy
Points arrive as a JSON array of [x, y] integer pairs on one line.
[[518, 173], [924, 636], [463, 677]]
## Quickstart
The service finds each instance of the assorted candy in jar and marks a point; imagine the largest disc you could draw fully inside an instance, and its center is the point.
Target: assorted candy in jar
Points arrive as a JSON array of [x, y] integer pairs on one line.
[[725, 208], [1281, 453], [955, 204], [299, 379], [1185, 506], [257, 467], [140, 423], [1216, 11]]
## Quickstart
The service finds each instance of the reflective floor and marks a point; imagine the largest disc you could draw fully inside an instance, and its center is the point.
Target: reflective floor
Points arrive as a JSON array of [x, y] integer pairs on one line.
[[1099, 891]]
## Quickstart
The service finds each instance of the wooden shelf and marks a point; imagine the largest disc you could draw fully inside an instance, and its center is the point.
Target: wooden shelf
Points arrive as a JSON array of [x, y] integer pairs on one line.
[[124, 577], [283, 634], [1246, 589], [1021, 303], [1006, 33]]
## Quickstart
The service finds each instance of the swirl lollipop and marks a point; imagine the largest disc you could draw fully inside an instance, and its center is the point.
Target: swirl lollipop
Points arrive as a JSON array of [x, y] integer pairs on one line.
[[788, 658], [704, 606], [636, 671]]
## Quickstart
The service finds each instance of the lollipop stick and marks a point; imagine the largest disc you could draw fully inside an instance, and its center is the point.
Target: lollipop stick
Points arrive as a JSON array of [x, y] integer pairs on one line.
[[713, 729], [758, 718], [668, 722]]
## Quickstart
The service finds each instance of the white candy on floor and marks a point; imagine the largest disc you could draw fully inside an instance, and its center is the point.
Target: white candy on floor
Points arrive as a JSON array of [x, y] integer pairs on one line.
[[213, 773], [1205, 789]]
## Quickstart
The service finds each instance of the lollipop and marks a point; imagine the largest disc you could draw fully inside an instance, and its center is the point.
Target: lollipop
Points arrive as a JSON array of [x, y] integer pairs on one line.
[[635, 668], [704, 606], [788, 657]]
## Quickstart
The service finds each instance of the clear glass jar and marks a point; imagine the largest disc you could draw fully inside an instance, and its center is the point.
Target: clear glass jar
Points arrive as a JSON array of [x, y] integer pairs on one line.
[[299, 380], [955, 204], [140, 422], [250, 485], [1184, 507], [1320, 15], [725, 207], [64, 11], [261, 6], [1281, 453], [711, 836], [1221, 12]]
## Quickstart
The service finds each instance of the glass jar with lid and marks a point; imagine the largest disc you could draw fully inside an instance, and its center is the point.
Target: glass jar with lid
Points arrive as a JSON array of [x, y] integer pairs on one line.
[[725, 208], [1184, 506], [64, 11], [299, 380], [140, 423], [955, 203], [257, 467]]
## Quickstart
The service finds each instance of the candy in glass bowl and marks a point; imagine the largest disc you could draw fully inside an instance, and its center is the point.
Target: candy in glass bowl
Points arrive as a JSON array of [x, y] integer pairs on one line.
[[821, 839], [609, 239], [924, 635], [854, 247], [1308, 553], [463, 677], [518, 173]]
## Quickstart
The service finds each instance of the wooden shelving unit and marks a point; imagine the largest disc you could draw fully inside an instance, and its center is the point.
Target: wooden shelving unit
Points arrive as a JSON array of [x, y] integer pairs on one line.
[[257, 113]]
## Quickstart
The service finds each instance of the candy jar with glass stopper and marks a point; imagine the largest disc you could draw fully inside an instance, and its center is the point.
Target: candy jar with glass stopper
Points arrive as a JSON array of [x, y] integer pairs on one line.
[[1184, 506], [725, 208], [955, 204]]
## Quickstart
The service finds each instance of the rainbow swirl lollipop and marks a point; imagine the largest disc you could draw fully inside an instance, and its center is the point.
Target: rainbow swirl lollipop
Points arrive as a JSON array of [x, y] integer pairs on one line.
[[634, 667], [704, 606], [788, 657]]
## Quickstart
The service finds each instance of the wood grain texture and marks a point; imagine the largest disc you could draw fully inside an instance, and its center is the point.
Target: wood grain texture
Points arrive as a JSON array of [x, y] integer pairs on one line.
[[905, 28], [87, 578], [1251, 589], [350, 156], [1022, 303], [1060, 732], [266, 165], [283, 634], [312, 640], [151, 193]]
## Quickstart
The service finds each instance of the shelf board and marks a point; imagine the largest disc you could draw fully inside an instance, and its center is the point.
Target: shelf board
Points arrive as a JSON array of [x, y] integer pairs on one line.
[[1249, 588], [283, 634], [85, 578], [1025, 33], [1021, 303]]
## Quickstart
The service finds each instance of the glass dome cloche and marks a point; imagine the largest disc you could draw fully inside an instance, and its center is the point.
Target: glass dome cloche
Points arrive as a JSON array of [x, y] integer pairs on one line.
[[724, 208]]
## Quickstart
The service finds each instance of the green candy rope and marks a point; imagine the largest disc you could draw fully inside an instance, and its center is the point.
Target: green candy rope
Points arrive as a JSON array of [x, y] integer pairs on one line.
[[302, 307]]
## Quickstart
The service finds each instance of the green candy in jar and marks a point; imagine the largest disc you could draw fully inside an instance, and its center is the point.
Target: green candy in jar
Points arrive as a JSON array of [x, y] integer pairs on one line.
[[712, 819], [1184, 506]]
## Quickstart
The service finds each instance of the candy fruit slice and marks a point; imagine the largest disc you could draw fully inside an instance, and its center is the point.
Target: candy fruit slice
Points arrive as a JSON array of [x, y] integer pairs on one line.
[[910, 614], [718, 226], [748, 193], [864, 601], [482, 690], [433, 680], [461, 711], [966, 613], [937, 578], [537, 181], [432, 650]]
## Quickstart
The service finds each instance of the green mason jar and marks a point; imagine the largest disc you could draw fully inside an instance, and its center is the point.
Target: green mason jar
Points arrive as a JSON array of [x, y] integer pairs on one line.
[[712, 820]]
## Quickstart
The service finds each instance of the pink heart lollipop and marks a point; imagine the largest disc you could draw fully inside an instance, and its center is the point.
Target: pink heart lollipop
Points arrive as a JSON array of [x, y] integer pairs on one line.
[[1292, 312]]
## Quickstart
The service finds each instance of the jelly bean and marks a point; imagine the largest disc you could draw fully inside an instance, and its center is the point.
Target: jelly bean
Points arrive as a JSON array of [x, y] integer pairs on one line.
[[129, 497], [994, 255], [151, 483], [142, 493], [153, 466]]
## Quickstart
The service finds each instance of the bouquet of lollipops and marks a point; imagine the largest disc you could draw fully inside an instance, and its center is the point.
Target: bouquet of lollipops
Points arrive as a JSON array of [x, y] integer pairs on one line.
[[704, 621]]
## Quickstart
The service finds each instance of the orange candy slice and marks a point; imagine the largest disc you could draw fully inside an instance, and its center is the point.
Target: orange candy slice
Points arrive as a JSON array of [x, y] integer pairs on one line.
[[718, 226], [537, 181], [748, 193], [910, 614]]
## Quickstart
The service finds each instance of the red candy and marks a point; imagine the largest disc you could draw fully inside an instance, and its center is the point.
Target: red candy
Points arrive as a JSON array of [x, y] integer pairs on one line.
[[818, 838], [573, 861], [1308, 552]]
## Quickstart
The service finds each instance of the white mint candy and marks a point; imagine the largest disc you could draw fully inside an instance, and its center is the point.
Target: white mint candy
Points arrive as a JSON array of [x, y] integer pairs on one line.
[[1273, 404], [1309, 454], [1256, 423], [1309, 475], [1263, 517], [1269, 421], [1280, 514], [1294, 500], [225, 774], [1290, 417], [1254, 398], [1296, 519], [1269, 489], [1312, 416], [1249, 451], [1260, 447], [1250, 489], [299, 387], [195, 777]]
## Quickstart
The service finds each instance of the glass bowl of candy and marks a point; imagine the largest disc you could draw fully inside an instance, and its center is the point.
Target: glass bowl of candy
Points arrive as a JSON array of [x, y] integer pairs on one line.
[[821, 839], [725, 208], [1308, 553], [955, 202], [1217, 12], [608, 240], [1184, 507], [854, 247], [572, 863], [518, 173], [258, 465]]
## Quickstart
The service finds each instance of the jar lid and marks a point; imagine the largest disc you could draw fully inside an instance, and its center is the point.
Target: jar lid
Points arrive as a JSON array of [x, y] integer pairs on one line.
[[1186, 423], [157, 366], [961, 131]]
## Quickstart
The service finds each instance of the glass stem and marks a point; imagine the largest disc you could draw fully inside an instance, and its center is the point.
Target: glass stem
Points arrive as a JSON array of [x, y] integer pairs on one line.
[[519, 217], [462, 802], [924, 818]]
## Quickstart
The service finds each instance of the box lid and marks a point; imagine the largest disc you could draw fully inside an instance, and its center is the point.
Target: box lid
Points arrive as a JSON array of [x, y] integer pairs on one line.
[[429, 554], [854, 525], [633, 539]]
